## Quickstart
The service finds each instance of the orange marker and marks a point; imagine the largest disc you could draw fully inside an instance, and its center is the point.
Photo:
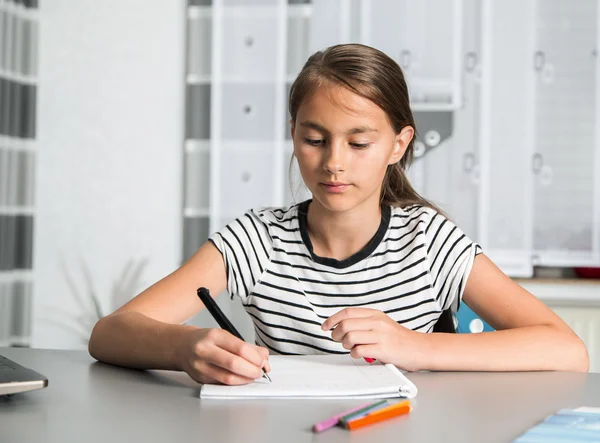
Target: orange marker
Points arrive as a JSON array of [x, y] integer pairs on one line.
[[395, 410]]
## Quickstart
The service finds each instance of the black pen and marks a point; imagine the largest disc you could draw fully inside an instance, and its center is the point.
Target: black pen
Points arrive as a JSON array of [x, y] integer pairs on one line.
[[218, 315]]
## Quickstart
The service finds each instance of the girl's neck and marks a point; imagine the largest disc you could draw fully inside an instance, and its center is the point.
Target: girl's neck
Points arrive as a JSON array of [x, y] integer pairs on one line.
[[340, 235]]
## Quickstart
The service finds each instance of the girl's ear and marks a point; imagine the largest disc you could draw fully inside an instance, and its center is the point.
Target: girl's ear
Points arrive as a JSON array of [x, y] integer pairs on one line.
[[401, 143], [293, 128]]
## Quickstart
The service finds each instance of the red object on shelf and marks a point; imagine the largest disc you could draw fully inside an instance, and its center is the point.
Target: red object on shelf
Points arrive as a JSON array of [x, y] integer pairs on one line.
[[587, 272]]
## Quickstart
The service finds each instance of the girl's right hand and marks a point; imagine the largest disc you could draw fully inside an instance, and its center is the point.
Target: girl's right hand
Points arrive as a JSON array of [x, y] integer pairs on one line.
[[215, 356]]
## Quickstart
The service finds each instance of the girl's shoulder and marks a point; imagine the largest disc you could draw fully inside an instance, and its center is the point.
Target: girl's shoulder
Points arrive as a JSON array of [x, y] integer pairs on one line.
[[413, 214], [282, 216]]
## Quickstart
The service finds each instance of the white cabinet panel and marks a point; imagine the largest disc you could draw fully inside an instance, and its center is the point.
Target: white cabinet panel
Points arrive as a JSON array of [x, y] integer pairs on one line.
[[448, 173], [249, 43], [424, 38], [246, 179], [464, 157], [505, 212], [248, 111], [565, 223]]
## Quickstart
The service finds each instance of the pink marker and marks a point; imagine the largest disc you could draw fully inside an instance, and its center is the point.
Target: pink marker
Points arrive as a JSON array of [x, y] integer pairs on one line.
[[369, 359], [331, 422]]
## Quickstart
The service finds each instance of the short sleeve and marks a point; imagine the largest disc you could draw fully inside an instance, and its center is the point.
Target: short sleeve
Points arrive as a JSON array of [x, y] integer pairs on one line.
[[245, 245], [450, 254]]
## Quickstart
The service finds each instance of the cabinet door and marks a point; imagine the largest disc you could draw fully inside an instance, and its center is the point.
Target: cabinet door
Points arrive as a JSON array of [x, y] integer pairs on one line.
[[506, 140], [566, 220], [463, 186], [424, 37], [249, 47], [246, 179], [447, 172], [248, 86], [248, 111]]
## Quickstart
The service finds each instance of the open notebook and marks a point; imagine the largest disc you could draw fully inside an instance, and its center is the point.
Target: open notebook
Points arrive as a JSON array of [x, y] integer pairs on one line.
[[320, 376]]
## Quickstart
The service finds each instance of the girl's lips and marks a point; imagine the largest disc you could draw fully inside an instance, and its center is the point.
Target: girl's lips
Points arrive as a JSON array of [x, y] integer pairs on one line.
[[336, 189]]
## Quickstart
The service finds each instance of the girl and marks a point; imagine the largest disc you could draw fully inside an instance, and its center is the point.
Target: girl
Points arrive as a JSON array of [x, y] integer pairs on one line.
[[366, 267]]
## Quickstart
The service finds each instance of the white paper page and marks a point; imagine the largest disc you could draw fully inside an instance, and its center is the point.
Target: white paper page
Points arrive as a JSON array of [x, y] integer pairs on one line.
[[320, 376]]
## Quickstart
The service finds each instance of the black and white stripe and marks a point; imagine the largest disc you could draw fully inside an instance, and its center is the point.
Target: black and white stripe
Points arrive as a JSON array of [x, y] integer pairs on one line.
[[414, 268]]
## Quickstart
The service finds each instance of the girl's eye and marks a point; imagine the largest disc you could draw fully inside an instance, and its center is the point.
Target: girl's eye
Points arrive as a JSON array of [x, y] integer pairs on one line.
[[360, 145], [314, 142]]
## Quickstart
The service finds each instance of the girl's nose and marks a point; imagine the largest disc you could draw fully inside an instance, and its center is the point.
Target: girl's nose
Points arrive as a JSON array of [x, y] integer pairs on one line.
[[334, 162]]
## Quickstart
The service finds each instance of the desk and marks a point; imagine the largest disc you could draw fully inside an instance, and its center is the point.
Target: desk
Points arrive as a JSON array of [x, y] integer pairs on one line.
[[92, 402]]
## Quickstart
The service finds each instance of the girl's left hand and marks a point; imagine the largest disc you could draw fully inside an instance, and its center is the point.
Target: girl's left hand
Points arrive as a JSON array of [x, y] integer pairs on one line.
[[371, 333]]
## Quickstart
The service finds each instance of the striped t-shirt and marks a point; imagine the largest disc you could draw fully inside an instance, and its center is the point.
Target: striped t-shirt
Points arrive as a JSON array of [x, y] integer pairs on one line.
[[414, 267]]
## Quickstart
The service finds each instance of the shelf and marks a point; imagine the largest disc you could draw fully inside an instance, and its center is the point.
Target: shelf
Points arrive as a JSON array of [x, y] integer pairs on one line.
[[196, 212], [432, 107], [14, 275], [195, 145], [18, 78], [17, 144], [206, 79], [250, 11], [17, 210], [563, 292], [198, 79]]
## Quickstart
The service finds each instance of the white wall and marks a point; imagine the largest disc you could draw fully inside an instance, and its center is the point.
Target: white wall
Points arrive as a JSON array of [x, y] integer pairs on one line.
[[109, 172]]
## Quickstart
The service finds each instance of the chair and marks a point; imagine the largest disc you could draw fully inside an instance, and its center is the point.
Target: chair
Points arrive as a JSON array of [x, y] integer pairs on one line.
[[466, 321]]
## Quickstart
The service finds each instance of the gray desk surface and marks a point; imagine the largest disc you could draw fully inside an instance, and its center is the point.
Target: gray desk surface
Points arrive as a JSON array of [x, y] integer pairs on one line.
[[87, 401]]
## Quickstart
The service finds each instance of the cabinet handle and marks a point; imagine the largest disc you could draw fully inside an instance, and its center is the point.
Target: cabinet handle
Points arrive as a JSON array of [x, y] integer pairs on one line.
[[537, 162], [470, 61], [539, 60], [468, 162], [405, 59]]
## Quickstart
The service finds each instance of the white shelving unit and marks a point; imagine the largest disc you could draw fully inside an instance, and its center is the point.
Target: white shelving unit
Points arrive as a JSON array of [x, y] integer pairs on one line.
[[18, 150], [242, 58], [425, 38], [510, 94], [539, 200], [566, 161]]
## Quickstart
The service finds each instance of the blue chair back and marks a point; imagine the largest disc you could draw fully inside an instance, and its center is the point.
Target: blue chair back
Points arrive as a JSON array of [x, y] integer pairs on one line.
[[467, 321]]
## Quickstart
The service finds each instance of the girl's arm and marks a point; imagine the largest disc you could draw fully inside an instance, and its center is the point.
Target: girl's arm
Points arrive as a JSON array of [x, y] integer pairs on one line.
[[528, 336], [147, 332]]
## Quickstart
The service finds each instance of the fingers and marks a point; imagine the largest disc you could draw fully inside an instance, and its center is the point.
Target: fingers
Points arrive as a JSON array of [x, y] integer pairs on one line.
[[224, 358], [362, 351], [359, 338], [351, 324], [345, 314], [210, 373], [235, 364], [251, 353], [264, 352]]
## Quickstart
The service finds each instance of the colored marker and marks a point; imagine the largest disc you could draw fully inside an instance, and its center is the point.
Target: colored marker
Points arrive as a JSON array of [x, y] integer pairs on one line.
[[395, 410], [332, 421], [364, 411]]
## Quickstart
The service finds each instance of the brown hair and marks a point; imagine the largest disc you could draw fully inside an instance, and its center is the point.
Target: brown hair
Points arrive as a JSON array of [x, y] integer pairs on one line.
[[373, 75]]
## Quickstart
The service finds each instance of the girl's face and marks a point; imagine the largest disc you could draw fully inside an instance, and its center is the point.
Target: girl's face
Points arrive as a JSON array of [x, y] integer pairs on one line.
[[344, 144]]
